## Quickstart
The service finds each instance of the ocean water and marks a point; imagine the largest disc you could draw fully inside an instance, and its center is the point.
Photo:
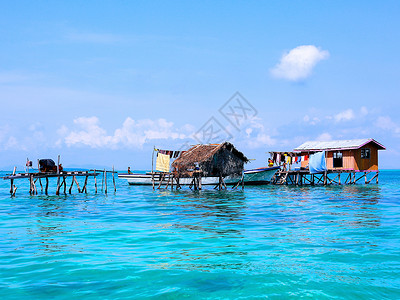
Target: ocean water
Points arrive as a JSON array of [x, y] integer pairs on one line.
[[266, 242]]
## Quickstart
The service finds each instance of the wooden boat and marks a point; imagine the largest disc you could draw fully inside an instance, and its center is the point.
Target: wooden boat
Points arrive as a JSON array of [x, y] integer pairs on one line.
[[259, 176], [251, 177]]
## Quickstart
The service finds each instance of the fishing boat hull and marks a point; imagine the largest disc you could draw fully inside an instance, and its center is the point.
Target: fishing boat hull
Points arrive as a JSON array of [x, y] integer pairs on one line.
[[259, 176], [251, 177], [146, 179]]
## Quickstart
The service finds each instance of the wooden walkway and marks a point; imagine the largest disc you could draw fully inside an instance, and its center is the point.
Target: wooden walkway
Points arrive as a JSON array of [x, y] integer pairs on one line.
[[62, 176]]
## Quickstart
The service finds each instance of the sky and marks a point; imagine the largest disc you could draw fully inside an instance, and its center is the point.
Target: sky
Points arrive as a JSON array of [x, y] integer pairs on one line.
[[101, 83]]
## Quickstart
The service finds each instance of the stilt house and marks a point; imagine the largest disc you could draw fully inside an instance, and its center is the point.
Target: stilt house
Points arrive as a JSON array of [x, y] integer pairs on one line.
[[355, 155], [213, 160]]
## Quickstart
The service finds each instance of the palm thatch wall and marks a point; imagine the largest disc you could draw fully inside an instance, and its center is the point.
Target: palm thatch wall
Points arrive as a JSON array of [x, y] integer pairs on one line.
[[214, 160]]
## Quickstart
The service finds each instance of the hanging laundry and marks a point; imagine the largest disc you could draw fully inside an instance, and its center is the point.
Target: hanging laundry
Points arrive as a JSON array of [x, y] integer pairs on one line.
[[162, 163]]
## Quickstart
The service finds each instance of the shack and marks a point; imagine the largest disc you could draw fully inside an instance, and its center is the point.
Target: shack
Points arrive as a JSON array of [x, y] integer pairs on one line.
[[212, 160]]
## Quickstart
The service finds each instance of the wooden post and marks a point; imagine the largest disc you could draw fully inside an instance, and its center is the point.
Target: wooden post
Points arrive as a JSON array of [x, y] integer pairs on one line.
[[339, 177], [102, 180], [325, 177], [152, 168], [14, 190], [34, 186], [77, 184], [72, 183], [115, 189], [377, 174], [105, 181], [95, 182], [47, 185], [12, 186], [58, 173], [31, 184], [41, 186], [65, 184], [161, 180], [365, 177], [84, 189]]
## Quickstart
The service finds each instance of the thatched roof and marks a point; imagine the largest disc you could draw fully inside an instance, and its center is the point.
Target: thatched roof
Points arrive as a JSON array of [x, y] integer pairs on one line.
[[222, 157]]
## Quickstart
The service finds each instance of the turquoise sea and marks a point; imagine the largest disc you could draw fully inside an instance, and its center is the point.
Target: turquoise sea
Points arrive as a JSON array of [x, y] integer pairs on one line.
[[278, 242]]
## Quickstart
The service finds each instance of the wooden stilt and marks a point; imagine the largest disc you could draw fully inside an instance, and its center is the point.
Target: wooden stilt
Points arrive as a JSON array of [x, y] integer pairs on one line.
[[105, 181], [72, 183], [95, 182], [152, 169], [14, 190], [12, 186], [58, 173], [34, 187], [102, 180], [199, 178], [339, 178], [161, 180], [84, 189], [77, 184], [115, 189], [41, 186], [31, 184], [65, 184], [47, 186], [58, 186], [377, 175]]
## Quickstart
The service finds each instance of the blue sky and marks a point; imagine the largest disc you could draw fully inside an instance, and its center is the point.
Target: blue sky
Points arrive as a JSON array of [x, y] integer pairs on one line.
[[102, 82]]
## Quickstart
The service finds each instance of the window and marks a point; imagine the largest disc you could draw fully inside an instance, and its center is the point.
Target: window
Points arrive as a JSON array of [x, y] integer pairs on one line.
[[337, 159], [366, 153]]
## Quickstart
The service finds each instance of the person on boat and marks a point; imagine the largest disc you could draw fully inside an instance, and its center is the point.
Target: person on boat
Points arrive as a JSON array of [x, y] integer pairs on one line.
[[270, 162], [129, 170]]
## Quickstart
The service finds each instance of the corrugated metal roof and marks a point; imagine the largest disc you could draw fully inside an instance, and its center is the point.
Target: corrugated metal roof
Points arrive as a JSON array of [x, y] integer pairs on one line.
[[336, 145]]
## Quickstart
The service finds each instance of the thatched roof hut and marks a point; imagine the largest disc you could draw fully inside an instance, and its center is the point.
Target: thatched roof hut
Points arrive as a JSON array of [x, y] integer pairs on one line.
[[213, 160]]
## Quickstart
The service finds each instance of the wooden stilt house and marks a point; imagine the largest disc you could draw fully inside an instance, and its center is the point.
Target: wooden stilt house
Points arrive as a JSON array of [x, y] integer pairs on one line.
[[213, 160], [351, 155]]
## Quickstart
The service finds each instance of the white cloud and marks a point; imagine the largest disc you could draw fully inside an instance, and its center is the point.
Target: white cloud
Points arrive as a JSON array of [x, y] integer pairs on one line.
[[255, 135], [386, 123], [364, 111], [324, 137], [133, 133], [346, 115], [299, 62], [311, 121]]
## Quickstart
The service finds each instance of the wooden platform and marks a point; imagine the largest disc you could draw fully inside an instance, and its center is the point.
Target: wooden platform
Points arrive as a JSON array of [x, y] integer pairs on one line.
[[304, 177], [62, 176]]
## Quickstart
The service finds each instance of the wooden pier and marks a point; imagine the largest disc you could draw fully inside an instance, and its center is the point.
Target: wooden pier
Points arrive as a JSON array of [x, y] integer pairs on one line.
[[36, 177], [304, 177]]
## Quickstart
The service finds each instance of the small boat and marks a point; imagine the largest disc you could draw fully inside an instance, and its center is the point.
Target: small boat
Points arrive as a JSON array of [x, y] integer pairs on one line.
[[259, 176], [251, 177]]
